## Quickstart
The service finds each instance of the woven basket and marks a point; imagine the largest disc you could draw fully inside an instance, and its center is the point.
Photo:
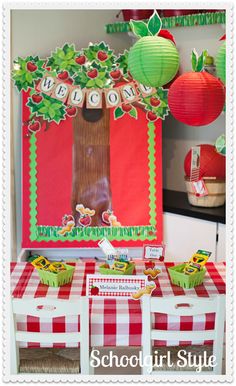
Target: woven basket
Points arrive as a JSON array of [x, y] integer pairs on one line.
[[215, 197]]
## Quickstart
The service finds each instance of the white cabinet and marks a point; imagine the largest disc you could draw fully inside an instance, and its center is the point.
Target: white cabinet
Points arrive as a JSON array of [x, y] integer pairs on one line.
[[185, 235]]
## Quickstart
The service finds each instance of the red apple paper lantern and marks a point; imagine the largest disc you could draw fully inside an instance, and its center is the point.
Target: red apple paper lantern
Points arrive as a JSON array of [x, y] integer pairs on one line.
[[196, 98], [212, 163]]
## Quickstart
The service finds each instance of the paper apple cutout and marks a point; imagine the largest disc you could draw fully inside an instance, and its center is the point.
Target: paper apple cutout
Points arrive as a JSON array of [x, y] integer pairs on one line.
[[36, 98], [31, 67]]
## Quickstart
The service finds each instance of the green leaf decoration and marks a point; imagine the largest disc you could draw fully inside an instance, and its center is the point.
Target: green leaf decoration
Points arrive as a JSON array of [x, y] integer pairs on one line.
[[220, 144], [162, 109], [194, 60], [200, 63], [139, 28], [100, 54], [122, 62], [133, 113], [154, 24], [26, 71], [118, 113], [49, 109], [63, 59]]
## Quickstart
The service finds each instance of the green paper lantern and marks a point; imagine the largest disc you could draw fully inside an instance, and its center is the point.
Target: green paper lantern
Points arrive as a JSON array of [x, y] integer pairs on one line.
[[153, 61], [220, 62]]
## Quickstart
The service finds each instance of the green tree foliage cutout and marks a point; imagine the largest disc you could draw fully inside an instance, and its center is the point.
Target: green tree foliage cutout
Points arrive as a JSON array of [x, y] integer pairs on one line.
[[26, 71], [93, 67]]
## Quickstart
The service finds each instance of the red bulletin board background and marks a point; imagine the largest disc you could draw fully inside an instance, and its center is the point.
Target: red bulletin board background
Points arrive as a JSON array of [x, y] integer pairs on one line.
[[129, 177]]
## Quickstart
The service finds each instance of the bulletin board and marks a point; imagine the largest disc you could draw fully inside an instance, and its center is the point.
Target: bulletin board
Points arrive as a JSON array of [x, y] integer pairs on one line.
[[111, 169], [91, 150]]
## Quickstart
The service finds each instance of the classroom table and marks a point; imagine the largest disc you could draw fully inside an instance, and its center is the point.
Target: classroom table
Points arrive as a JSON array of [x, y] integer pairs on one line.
[[113, 321]]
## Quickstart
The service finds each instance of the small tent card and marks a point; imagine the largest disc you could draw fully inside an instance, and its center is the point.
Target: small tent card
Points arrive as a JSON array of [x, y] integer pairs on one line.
[[92, 162], [154, 252], [116, 286]]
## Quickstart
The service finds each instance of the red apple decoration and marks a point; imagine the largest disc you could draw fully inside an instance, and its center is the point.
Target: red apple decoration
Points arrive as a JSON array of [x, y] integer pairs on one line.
[[126, 107], [154, 101], [151, 116], [85, 220], [71, 111], [106, 215], [67, 218], [93, 73], [34, 127], [94, 290], [31, 67], [164, 33], [37, 98], [196, 98], [149, 264], [63, 75], [212, 163], [116, 74], [80, 59], [102, 56]]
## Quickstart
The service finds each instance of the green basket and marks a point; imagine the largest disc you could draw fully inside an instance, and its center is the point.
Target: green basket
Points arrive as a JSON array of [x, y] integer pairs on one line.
[[56, 279], [109, 271], [185, 281]]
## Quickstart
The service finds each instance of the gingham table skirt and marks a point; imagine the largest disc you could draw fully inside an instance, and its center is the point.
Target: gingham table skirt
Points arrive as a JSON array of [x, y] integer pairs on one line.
[[113, 322]]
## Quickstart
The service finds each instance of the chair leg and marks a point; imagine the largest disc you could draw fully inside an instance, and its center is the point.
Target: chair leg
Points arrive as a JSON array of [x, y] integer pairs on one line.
[[14, 347]]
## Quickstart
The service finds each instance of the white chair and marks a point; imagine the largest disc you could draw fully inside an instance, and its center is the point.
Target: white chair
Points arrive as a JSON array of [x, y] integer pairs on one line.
[[183, 306], [50, 308]]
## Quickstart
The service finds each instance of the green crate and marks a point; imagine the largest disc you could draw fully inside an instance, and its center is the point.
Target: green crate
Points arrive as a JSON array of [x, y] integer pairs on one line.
[[185, 281], [109, 271], [56, 279]]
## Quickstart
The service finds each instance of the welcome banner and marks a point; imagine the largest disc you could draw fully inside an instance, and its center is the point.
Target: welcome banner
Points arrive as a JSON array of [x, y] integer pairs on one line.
[[75, 95]]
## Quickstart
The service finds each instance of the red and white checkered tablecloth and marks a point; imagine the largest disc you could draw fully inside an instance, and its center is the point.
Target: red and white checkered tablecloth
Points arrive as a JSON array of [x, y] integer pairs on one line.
[[113, 322]]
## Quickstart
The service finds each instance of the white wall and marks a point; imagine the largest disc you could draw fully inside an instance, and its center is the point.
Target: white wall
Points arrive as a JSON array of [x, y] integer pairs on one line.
[[38, 32]]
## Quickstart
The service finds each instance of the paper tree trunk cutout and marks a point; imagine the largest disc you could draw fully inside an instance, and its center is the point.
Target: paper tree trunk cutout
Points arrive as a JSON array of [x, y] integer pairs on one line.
[[91, 164]]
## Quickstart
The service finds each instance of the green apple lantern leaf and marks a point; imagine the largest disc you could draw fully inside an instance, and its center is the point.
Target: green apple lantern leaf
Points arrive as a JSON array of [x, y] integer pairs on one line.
[[153, 60], [220, 60]]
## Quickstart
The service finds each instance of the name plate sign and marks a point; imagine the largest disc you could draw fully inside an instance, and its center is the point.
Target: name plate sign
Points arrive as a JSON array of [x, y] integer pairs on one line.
[[154, 252], [101, 286]]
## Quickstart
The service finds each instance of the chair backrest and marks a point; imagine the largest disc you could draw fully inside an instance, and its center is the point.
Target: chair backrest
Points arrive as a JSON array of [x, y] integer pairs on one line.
[[49, 308], [185, 306]]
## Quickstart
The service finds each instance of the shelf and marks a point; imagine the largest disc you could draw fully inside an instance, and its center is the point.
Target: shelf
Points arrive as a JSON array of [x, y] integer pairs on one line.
[[175, 21], [177, 203]]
